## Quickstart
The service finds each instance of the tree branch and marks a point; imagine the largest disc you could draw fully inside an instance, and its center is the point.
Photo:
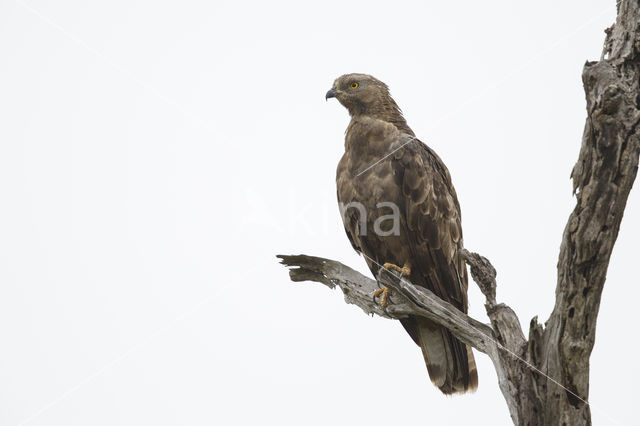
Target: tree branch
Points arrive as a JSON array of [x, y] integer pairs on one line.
[[504, 342], [407, 299], [545, 379], [602, 178]]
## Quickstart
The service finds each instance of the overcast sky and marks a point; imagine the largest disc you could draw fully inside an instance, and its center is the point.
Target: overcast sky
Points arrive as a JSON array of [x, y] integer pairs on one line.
[[156, 156]]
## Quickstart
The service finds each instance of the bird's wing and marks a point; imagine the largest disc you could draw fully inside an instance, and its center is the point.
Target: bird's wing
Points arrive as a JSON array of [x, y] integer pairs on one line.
[[433, 225]]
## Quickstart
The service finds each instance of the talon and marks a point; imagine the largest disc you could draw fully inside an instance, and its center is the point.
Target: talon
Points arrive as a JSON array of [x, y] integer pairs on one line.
[[384, 291], [404, 271]]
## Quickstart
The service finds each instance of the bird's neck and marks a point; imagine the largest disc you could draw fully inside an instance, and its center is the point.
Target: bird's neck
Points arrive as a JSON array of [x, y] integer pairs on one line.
[[385, 111]]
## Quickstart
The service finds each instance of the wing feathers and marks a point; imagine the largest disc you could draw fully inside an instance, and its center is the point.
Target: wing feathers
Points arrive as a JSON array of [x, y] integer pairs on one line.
[[432, 218], [416, 180]]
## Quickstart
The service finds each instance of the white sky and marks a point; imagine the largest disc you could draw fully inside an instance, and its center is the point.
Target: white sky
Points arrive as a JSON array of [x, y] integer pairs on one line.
[[156, 156]]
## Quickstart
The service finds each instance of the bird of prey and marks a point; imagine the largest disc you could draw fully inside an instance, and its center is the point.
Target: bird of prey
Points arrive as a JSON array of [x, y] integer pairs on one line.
[[387, 175]]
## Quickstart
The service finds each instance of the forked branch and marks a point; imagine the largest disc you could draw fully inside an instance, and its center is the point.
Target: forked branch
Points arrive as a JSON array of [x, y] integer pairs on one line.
[[545, 379], [406, 299], [503, 341]]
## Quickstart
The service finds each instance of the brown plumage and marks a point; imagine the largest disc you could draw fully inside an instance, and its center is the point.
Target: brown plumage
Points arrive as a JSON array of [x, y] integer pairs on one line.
[[384, 163]]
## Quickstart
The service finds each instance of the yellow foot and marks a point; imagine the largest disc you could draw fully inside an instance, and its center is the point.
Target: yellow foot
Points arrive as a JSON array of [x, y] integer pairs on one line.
[[404, 271], [384, 291]]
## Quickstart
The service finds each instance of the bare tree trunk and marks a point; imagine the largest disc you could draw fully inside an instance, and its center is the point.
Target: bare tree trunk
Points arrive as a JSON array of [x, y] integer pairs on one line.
[[545, 379]]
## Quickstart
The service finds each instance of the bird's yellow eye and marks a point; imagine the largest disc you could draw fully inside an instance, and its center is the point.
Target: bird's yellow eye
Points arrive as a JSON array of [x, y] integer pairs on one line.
[[354, 85]]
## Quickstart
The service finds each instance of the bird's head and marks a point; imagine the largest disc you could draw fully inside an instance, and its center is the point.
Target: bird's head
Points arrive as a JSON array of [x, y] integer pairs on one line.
[[360, 93]]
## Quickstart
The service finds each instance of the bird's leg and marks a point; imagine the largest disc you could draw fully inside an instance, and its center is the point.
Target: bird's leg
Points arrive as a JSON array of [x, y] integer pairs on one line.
[[404, 271], [384, 291]]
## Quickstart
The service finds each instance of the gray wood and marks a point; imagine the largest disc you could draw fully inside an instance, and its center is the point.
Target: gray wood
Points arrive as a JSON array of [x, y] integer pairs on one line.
[[544, 378]]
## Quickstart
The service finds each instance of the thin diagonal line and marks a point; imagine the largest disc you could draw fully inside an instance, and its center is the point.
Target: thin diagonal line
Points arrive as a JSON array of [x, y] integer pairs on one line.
[[115, 361], [186, 113], [499, 345], [149, 88], [522, 66], [501, 81], [413, 138], [125, 354]]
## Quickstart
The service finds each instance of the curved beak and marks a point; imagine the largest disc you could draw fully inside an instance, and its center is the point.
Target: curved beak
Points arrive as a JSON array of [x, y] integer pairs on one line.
[[331, 93]]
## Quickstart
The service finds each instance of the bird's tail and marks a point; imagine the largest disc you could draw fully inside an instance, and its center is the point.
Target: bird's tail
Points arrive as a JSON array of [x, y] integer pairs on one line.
[[450, 362]]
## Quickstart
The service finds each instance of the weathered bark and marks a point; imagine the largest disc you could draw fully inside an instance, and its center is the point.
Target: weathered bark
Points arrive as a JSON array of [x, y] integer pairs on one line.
[[545, 379], [602, 179], [503, 341]]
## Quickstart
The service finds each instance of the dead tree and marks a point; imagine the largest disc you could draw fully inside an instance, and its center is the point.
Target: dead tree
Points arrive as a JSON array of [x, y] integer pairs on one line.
[[544, 378]]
